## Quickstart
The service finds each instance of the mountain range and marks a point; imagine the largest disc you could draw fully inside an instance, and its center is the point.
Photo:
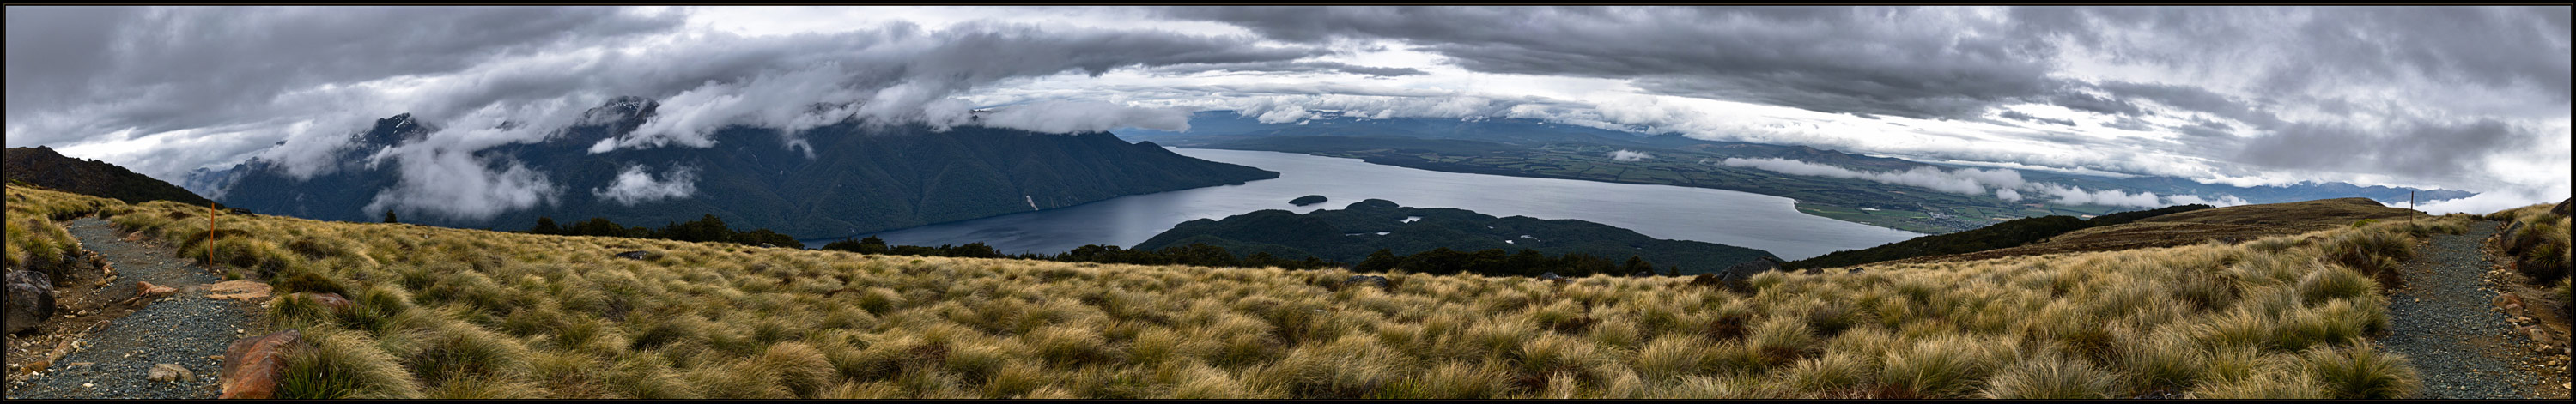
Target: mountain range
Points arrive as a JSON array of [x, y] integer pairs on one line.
[[837, 180]]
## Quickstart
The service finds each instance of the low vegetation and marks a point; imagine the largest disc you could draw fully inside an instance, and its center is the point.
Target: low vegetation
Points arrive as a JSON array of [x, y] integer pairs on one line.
[[448, 313], [1999, 235], [2537, 239], [36, 241]]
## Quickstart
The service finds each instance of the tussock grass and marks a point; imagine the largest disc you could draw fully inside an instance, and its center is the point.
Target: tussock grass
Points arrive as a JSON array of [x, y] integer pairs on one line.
[[463, 313]]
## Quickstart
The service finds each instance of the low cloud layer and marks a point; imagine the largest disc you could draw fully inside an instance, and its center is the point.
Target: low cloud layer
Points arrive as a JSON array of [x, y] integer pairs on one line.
[[2003, 184], [1630, 155], [634, 186]]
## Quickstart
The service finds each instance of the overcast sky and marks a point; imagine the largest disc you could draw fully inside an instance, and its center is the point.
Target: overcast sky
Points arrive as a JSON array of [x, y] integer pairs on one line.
[[2452, 97]]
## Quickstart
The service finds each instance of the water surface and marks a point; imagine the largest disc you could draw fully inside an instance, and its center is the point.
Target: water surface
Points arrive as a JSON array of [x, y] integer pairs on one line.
[[1764, 222]]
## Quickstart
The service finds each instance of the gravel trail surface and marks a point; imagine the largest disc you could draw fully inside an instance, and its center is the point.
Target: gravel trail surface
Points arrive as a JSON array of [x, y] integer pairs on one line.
[[2441, 321], [185, 329]]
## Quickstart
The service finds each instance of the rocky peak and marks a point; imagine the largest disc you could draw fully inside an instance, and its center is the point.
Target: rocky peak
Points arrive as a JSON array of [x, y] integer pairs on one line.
[[624, 110], [394, 130]]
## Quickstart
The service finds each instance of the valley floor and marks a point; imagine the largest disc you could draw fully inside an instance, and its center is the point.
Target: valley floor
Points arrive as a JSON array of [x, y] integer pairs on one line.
[[2464, 349]]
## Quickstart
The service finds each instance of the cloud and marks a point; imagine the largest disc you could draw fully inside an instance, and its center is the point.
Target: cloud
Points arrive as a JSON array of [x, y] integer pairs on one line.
[[2010, 114], [2430, 149], [458, 186], [2005, 184], [1079, 116], [1916, 62], [1290, 67], [1962, 181], [1630, 155], [634, 186]]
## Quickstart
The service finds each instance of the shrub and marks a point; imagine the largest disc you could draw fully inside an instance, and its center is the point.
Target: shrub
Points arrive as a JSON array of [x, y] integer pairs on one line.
[[1939, 368], [2362, 371], [460, 352], [2049, 377], [1671, 357], [798, 366], [1831, 372], [343, 365]]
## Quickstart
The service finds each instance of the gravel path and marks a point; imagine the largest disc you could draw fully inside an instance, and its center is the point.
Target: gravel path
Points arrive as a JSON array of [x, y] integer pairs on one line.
[[2442, 322], [186, 329]]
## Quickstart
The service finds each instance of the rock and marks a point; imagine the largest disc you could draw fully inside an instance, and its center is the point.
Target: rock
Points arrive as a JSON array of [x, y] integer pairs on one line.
[[2537, 334], [635, 255], [169, 372], [767, 245], [326, 299], [1552, 277], [1855, 271], [1366, 280], [2563, 208], [252, 365], [148, 290], [30, 301], [237, 290]]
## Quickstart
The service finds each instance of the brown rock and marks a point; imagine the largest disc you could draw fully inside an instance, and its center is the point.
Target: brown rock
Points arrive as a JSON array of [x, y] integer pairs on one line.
[[237, 290], [327, 299], [2537, 334], [148, 290], [253, 365], [169, 372]]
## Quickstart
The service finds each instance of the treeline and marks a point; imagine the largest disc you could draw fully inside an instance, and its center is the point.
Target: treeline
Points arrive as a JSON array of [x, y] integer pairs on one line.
[[1193, 254], [2008, 234], [1496, 262], [706, 229]]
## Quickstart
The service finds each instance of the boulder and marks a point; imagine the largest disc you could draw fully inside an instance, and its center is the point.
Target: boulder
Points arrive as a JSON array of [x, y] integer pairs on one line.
[[237, 290], [148, 290], [1552, 277], [30, 301], [252, 365], [635, 255], [2564, 208], [326, 299], [167, 372], [1855, 271], [767, 245], [1366, 280]]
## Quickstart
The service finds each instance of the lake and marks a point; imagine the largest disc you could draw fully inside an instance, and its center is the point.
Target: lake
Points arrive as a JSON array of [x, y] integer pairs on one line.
[[1764, 222]]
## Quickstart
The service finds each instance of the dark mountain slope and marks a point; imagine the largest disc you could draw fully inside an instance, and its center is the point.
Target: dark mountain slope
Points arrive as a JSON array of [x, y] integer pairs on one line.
[[45, 168]]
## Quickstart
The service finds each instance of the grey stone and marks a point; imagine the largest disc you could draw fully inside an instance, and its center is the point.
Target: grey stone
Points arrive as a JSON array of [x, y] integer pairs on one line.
[[170, 372], [30, 301]]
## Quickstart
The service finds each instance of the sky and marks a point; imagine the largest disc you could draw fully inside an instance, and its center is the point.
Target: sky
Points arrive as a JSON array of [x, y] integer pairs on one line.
[[2468, 98]]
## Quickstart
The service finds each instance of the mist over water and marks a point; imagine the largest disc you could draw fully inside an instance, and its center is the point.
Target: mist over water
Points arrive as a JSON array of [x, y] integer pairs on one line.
[[1764, 222]]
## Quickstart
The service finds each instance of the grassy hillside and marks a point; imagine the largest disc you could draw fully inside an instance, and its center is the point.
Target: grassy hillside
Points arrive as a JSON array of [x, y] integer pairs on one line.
[[2233, 224], [476, 314], [2010, 233]]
